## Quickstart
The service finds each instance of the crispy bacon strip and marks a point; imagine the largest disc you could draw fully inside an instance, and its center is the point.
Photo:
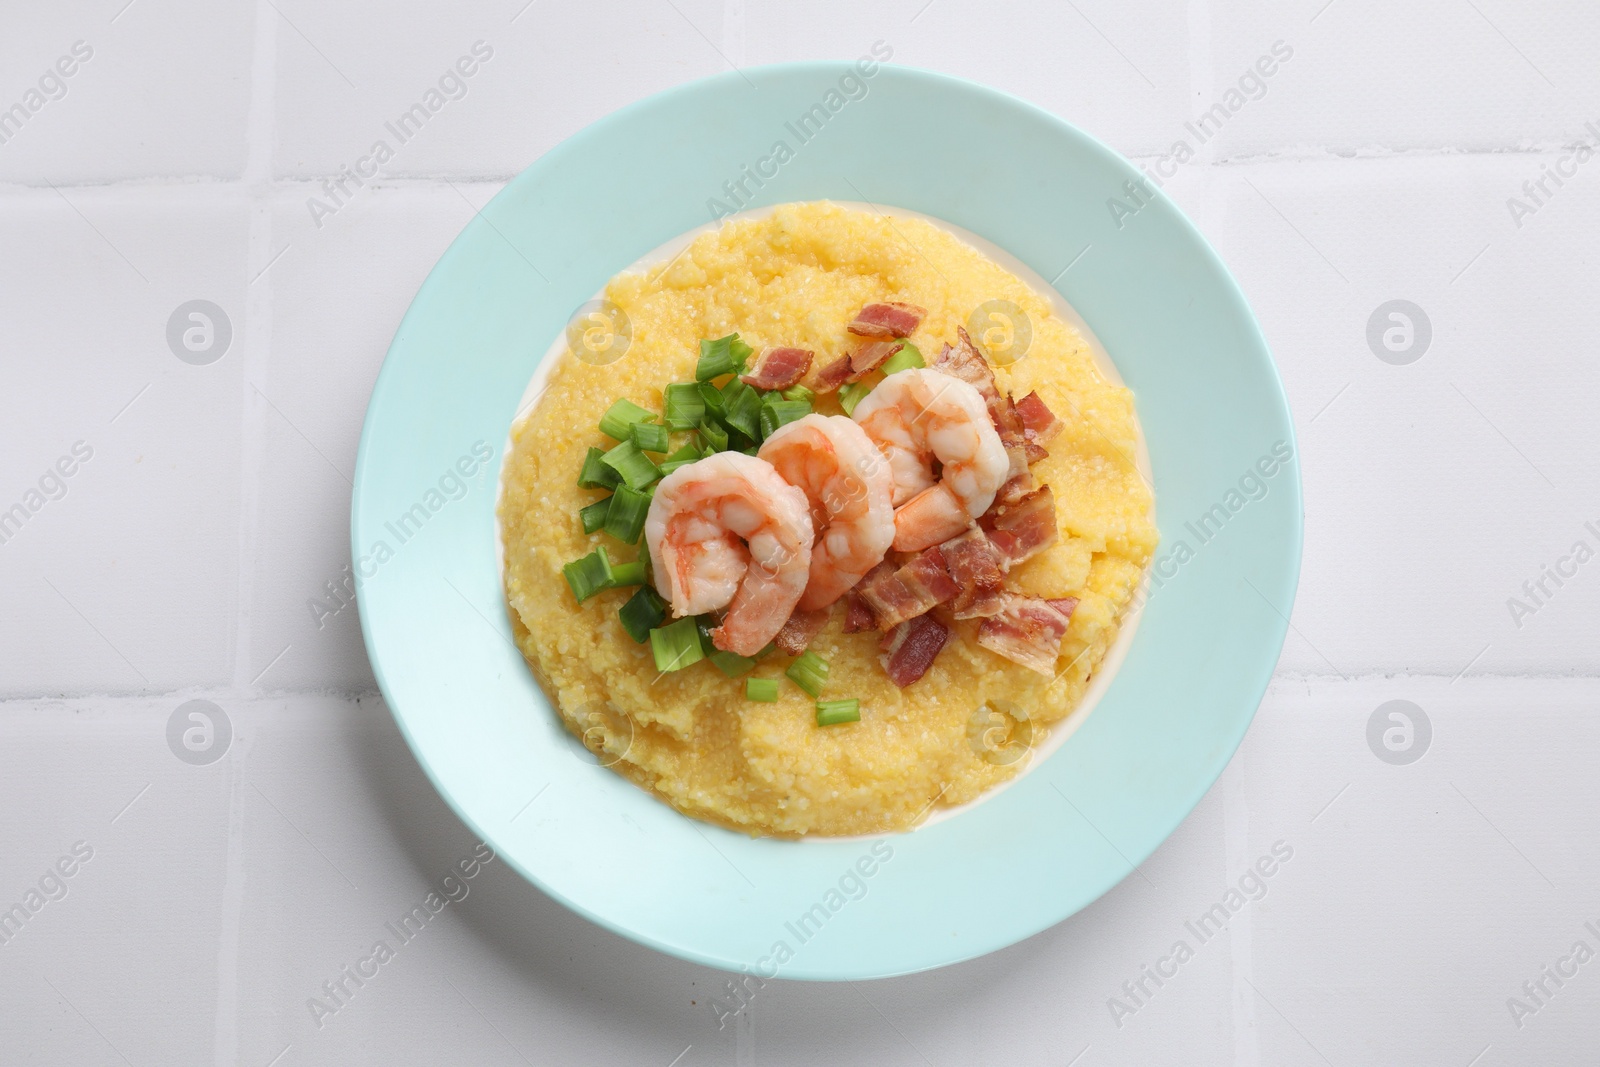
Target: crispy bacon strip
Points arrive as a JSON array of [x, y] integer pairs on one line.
[[1015, 488], [797, 633], [897, 594], [979, 568], [857, 616], [1038, 421], [779, 368], [910, 648], [1027, 630], [887, 320], [1025, 528], [829, 378], [963, 360], [870, 356], [1066, 604]]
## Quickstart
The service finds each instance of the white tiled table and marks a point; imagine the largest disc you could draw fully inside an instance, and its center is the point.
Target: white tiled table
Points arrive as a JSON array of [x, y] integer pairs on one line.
[[176, 162]]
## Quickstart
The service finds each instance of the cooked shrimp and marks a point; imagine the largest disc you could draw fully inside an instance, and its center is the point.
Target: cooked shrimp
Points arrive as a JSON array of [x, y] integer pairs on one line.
[[848, 486], [727, 530], [917, 416]]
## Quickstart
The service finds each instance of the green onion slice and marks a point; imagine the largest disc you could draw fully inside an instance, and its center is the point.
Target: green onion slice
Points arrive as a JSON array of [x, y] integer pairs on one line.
[[644, 611], [684, 406], [715, 437], [834, 712], [594, 516], [635, 573], [776, 413], [765, 689], [743, 409], [809, 672], [589, 575], [622, 415], [681, 458], [731, 663], [905, 359], [634, 466], [595, 473], [649, 436], [850, 395], [625, 517], [798, 392], [676, 645], [725, 355]]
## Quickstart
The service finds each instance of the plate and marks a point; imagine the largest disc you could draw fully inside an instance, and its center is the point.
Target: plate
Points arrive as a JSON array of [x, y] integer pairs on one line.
[[1214, 612]]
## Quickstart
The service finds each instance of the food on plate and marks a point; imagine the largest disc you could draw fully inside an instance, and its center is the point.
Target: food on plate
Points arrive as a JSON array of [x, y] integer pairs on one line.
[[810, 558]]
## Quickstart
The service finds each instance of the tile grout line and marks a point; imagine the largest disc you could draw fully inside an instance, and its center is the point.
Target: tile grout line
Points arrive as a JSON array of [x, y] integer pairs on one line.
[[256, 333]]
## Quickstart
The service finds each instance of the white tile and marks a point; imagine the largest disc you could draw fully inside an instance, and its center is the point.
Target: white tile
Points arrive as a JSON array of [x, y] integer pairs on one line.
[[1435, 875], [157, 88], [537, 79], [338, 292], [1427, 503], [1365, 76], [1128, 83], [142, 551]]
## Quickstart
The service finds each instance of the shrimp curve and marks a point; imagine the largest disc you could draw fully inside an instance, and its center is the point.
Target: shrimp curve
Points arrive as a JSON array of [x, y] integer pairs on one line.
[[849, 489], [919, 415], [728, 531]]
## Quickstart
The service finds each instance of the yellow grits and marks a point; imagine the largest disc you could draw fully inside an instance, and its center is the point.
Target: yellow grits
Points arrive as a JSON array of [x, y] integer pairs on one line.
[[797, 277]]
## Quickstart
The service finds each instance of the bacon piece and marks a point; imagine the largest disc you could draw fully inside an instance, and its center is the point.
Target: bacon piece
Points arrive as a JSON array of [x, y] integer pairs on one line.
[[832, 376], [1024, 529], [1015, 488], [979, 568], [1065, 604], [1038, 421], [857, 616], [779, 368], [964, 361], [797, 633], [887, 320], [870, 356], [1027, 630], [897, 594], [909, 649]]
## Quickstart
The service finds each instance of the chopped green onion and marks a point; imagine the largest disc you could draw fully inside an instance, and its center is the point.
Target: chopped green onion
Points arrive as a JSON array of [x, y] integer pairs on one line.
[[725, 355], [850, 395], [589, 575], [635, 573], [625, 518], [731, 663], [702, 626], [622, 415], [711, 400], [644, 611], [809, 672], [905, 359], [681, 458], [798, 392], [595, 473], [684, 406], [743, 409], [776, 413], [649, 436], [765, 689], [634, 466], [676, 645], [594, 516], [834, 712], [715, 437]]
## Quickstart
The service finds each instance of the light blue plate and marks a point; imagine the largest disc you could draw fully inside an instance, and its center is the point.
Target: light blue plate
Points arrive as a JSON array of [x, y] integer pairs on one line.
[[1171, 318]]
